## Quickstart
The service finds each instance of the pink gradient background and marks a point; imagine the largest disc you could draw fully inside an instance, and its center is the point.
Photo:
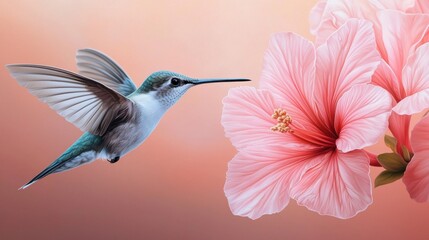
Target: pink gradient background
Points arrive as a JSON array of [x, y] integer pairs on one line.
[[171, 187]]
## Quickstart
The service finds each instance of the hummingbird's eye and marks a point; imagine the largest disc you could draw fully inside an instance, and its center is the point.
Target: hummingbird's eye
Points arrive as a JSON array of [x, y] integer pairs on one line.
[[175, 82]]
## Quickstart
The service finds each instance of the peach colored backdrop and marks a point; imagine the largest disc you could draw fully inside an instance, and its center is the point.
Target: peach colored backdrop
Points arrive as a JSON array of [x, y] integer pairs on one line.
[[172, 186]]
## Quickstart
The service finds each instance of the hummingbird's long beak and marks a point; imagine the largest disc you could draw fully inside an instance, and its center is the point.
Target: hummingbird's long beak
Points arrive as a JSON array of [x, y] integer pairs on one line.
[[210, 80]]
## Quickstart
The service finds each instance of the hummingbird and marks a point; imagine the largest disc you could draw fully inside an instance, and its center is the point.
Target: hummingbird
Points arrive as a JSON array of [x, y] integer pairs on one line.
[[103, 102]]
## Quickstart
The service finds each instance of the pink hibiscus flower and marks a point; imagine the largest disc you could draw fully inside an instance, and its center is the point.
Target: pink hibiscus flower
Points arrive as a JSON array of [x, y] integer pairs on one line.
[[402, 34], [300, 135], [401, 27]]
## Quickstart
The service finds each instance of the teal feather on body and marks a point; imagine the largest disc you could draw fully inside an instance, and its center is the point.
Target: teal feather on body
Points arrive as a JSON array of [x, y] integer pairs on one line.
[[86, 142]]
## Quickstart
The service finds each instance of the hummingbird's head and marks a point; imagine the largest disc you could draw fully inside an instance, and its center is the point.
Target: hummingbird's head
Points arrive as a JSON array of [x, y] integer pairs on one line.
[[168, 86]]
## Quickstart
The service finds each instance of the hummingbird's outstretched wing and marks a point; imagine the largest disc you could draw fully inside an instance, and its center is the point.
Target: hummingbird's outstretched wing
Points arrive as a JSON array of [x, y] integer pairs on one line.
[[86, 103], [100, 67]]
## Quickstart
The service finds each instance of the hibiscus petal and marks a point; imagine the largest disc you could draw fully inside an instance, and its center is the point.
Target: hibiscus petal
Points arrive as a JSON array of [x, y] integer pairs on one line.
[[349, 57], [416, 177], [415, 77], [258, 179], [338, 186], [413, 104], [247, 120], [317, 16], [400, 5], [289, 69], [361, 116], [328, 16], [421, 6], [399, 125], [424, 39], [402, 33], [386, 78]]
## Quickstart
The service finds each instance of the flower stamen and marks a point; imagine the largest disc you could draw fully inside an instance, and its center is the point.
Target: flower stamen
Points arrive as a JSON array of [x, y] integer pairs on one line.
[[283, 121]]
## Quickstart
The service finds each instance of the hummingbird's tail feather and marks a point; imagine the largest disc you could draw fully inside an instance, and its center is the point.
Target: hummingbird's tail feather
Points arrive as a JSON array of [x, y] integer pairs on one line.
[[50, 169], [83, 151], [63, 164]]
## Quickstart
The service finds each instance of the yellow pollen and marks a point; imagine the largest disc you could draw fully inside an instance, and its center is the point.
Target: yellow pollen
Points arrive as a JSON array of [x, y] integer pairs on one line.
[[283, 121]]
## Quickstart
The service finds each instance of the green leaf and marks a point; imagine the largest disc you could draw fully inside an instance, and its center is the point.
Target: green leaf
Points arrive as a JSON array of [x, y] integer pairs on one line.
[[391, 142], [386, 177], [392, 162]]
